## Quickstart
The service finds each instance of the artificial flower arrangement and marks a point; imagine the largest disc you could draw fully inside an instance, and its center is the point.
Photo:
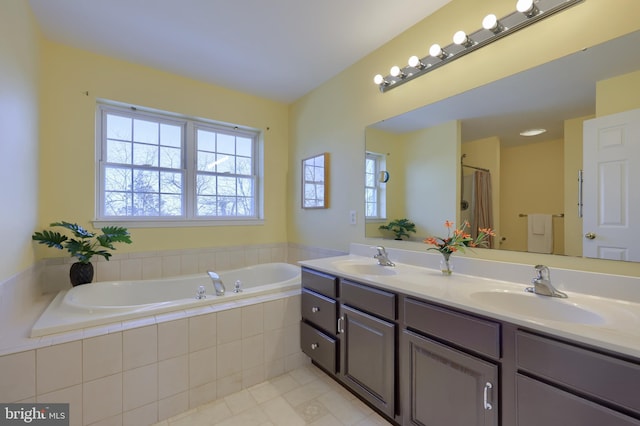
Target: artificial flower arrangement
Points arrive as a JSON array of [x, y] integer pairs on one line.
[[457, 240]]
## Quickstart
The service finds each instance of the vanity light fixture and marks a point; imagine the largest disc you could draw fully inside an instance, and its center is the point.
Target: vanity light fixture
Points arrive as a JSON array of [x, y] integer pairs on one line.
[[527, 12]]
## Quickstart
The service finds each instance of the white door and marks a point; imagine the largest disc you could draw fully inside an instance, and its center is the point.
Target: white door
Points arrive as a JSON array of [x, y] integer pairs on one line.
[[611, 188]]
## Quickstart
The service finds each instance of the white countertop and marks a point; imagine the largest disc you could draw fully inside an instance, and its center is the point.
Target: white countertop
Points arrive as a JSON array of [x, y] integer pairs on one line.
[[605, 322]]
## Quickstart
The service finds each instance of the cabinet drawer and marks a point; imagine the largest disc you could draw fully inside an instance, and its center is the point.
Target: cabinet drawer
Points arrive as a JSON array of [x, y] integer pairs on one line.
[[476, 334], [605, 377], [319, 282], [368, 299], [319, 310], [319, 347], [541, 404]]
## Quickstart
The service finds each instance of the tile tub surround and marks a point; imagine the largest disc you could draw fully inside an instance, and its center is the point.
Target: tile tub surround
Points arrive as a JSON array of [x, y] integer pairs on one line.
[[158, 369]]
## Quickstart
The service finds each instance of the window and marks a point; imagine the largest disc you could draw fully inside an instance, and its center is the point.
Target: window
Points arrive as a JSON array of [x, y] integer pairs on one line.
[[166, 168], [374, 189]]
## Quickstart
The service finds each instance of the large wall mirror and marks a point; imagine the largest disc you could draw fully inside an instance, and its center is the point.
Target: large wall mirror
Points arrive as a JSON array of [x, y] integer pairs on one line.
[[437, 154]]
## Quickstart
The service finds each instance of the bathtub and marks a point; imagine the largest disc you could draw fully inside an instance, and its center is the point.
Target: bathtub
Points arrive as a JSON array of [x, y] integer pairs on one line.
[[107, 302]]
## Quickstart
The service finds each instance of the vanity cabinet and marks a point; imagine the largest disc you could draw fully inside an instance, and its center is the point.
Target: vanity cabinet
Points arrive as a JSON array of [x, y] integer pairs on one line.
[[368, 338], [562, 384], [318, 330], [447, 372]]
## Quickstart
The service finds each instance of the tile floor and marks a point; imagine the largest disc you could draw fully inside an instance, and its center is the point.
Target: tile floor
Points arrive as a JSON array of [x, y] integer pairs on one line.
[[305, 396]]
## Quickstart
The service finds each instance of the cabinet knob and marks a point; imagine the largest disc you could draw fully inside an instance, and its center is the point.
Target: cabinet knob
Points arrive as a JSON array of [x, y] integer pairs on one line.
[[315, 309], [314, 346]]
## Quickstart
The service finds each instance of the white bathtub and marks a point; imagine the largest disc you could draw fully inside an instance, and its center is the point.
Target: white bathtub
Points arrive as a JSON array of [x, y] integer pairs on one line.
[[112, 301]]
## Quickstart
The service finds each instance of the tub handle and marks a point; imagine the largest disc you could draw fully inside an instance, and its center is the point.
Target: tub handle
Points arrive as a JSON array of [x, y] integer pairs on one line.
[[315, 309]]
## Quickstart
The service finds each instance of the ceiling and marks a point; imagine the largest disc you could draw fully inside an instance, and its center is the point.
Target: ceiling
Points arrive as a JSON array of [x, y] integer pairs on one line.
[[276, 49], [542, 97]]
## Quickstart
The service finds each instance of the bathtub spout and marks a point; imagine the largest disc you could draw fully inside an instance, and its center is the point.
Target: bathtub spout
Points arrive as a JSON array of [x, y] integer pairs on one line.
[[218, 286]]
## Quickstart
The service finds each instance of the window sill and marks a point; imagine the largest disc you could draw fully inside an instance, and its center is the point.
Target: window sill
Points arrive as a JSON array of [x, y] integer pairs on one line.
[[175, 223]]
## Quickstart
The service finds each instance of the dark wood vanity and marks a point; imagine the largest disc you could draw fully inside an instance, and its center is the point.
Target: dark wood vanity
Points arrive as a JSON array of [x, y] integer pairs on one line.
[[421, 363]]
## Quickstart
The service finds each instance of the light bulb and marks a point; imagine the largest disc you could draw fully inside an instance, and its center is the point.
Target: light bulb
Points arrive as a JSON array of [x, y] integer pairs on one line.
[[460, 37], [527, 7], [414, 62], [378, 79], [436, 51], [395, 71], [490, 22]]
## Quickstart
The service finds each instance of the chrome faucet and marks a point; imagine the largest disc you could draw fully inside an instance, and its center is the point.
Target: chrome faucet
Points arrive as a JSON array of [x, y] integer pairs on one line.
[[542, 283], [218, 286], [383, 258]]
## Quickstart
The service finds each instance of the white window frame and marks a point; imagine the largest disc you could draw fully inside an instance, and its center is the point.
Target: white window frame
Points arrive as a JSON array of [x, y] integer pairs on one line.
[[188, 168], [379, 187]]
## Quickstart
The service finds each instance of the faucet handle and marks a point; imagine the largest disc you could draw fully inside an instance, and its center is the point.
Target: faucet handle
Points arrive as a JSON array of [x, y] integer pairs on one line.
[[542, 272]]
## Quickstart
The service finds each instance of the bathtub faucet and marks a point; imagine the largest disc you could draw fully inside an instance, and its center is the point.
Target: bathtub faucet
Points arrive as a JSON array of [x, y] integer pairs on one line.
[[218, 286]]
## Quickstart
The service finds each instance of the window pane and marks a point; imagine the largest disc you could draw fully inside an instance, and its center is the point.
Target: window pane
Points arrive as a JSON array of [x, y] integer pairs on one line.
[[206, 141], [118, 152], [370, 180], [226, 206], [206, 185], [145, 204], [145, 181], [226, 144], [171, 135], [171, 205], [145, 131], [225, 164], [145, 155], [171, 183], [206, 161], [243, 166], [243, 147], [117, 179], [245, 206], [206, 206], [117, 203], [170, 158], [226, 185], [118, 127], [245, 187]]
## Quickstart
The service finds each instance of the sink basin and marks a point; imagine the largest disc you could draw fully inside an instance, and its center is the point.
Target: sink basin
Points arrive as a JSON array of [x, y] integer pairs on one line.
[[360, 268], [542, 307]]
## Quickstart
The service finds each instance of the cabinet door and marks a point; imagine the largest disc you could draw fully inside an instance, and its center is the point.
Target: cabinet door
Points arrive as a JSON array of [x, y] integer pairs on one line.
[[368, 357], [541, 404], [445, 387]]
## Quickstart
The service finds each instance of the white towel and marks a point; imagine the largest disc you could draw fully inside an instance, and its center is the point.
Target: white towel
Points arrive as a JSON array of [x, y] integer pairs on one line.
[[540, 233]]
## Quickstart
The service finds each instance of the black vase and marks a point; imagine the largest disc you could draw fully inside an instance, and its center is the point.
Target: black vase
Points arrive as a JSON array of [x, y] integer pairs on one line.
[[81, 273]]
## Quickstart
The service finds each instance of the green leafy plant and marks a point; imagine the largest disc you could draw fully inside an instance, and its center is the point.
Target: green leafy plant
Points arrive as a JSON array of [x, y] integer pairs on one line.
[[83, 245], [400, 227]]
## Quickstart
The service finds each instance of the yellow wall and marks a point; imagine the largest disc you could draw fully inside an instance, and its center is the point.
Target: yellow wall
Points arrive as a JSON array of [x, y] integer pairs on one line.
[[531, 182], [19, 45], [334, 115], [431, 166], [618, 94], [67, 151]]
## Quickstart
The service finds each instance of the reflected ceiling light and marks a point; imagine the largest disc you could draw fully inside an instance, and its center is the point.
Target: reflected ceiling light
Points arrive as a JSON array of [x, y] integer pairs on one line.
[[493, 28], [532, 132], [397, 72], [438, 52], [462, 39], [491, 23], [527, 7], [415, 62]]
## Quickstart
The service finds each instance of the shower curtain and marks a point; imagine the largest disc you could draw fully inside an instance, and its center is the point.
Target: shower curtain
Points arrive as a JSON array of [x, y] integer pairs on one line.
[[483, 211]]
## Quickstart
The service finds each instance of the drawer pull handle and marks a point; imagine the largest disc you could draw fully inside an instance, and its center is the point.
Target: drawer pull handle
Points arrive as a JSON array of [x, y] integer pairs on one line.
[[314, 346], [487, 404], [340, 329], [315, 309]]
